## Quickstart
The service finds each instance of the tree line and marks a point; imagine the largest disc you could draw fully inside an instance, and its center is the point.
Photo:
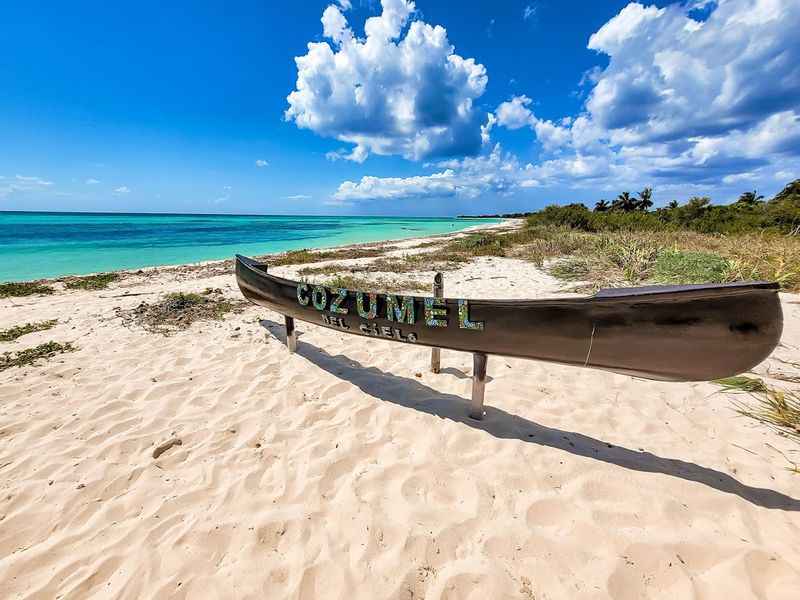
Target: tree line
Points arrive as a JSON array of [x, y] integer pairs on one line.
[[749, 212]]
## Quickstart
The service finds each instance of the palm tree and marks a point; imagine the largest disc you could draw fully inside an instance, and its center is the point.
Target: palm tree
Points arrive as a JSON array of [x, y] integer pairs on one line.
[[601, 206], [624, 202], [697, 205], [673, 205], [645, 199], [750, 198]]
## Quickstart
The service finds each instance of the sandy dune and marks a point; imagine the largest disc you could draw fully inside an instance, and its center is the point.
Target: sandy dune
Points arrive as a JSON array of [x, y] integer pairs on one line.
[[349, 471]]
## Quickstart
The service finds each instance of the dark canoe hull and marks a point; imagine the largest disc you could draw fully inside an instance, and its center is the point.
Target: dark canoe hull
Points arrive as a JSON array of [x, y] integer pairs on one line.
[[672, 333]]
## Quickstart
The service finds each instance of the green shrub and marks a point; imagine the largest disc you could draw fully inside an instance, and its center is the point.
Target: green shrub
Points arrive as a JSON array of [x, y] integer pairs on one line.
[[576, 216], [24, 288], [480, 244], [31, 356], [91, 282], [9, 335]]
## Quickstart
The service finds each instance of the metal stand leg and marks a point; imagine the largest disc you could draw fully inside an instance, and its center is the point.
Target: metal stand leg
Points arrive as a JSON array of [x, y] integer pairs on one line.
[[436, 357], [479, 360], [291, 334], [438, 292]]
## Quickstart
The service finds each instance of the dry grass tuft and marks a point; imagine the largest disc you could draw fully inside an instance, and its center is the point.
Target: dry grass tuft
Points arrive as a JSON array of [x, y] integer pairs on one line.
[[777, 409], [177, 311]]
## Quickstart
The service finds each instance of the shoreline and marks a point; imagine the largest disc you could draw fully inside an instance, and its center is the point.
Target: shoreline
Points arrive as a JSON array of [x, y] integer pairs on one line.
[[219, 262], [505, 224]]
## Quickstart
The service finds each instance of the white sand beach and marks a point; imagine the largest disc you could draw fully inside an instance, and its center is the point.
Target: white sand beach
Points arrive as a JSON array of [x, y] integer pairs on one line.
[[348, 470]]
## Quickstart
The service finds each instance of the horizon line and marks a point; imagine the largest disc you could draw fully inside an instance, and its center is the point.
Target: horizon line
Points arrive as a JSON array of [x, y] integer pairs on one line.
[[176, 214]]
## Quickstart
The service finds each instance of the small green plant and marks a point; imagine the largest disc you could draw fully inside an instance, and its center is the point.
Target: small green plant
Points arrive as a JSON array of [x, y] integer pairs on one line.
[[91, 282], [24, 288], [9, 335], [31, 356]]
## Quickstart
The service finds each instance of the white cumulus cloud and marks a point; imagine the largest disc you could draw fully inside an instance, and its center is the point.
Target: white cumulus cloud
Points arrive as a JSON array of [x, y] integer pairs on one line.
[[92, 181], [260, 163], [712, 100], [123, 189], [399, 90], [515, 114], [497, 173]]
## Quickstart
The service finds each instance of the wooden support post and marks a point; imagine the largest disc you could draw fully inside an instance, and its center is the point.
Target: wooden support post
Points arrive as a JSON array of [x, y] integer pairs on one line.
[[479, 360], [438, 292], [291, 334]]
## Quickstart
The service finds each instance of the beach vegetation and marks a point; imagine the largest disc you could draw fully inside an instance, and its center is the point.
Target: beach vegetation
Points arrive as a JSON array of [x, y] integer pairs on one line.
[[438, 260], [749, 213], [776, 408], [410, 263], [179, 310], [742, 383], [626, 241], [385, 285], [304, 256], [480, 244], [24, 288], [99, 281], [675, 266], [327, 269], [32, 356], [13, 333]]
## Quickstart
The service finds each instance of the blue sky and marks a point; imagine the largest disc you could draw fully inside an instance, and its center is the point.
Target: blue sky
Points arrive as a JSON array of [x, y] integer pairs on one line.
[[433, 108]]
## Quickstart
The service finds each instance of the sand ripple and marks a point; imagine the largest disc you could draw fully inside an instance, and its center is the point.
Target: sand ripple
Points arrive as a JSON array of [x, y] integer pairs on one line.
[[339, 473]]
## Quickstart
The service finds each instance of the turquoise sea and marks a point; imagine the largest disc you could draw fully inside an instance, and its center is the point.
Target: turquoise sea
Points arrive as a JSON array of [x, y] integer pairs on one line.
[[36, 245]]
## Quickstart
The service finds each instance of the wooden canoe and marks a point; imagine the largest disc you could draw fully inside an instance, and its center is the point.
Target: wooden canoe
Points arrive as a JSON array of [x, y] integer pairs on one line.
[[672, 333]]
